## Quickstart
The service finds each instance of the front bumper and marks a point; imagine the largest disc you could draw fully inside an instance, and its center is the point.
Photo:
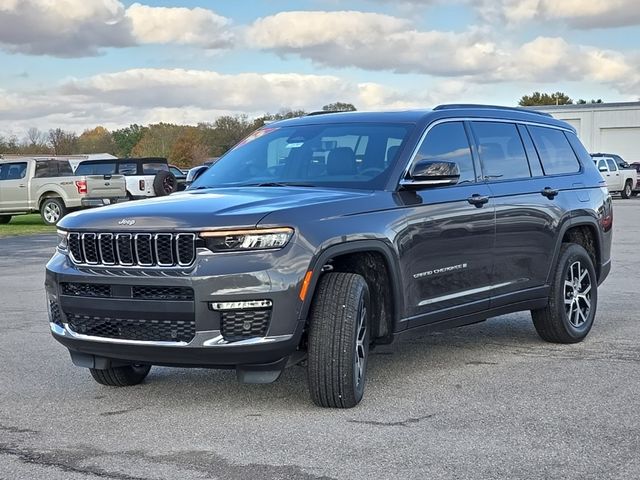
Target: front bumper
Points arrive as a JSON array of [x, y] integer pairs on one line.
[[213, 278]]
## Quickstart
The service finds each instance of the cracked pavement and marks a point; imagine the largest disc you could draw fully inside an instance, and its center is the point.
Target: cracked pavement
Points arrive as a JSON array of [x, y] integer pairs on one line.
[[485, 401]]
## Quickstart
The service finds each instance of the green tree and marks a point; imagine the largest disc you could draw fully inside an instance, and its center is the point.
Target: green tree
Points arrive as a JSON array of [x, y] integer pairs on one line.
[[583, 102], [157, 140], [189, 149], [537, 98], [9, 145], [97, 140], [339, 107], [127, 138], [63, 142], [226, 131]]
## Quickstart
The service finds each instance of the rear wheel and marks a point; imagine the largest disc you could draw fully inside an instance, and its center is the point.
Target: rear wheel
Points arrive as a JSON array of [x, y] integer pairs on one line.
[[124, 376], [4, 219], [627, 190], [569, 315], [339, 340], [52, 210]]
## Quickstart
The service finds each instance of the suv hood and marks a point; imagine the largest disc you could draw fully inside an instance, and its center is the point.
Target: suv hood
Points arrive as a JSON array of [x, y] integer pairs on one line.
[[211, 208]]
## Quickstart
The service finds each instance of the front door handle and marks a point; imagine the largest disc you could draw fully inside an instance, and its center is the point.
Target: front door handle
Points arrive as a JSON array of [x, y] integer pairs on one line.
[[549, 192], [478, 200], [21, 186]]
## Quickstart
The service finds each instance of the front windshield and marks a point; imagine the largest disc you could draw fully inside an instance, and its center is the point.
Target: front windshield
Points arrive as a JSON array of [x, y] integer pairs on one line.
[[349, 155]]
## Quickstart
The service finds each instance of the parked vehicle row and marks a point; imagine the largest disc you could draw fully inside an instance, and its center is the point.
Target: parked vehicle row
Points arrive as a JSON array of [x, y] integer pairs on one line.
[[50, 186], [620, 176]]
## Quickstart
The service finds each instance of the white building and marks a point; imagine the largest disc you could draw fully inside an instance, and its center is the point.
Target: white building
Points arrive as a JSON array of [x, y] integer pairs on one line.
[[604, 127]]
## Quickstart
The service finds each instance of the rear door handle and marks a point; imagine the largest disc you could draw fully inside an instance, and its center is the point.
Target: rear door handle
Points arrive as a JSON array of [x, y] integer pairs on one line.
[[549, 192], [478, 200]]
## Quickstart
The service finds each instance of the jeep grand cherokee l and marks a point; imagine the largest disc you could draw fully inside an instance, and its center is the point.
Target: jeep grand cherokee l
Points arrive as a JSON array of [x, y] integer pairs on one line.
[[318, 237]]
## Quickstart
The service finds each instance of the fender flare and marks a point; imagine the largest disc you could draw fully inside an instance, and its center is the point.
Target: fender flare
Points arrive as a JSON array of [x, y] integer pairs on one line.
[[51, 191], [579, 221], [355, 246]]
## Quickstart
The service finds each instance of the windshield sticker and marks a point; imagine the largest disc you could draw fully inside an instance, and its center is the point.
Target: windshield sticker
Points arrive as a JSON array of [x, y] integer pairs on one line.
[[254, 136], [294, 145]]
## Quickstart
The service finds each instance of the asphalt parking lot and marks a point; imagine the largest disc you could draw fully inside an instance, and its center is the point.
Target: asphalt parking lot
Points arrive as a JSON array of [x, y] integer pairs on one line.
[[486, 401]]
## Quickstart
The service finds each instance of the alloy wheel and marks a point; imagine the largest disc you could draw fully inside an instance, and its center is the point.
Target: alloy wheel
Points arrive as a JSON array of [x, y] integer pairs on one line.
[[577, 294]]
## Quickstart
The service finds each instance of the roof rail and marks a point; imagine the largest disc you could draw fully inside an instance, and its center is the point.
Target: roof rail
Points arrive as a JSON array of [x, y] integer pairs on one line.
[[455, 106], [321, 112]]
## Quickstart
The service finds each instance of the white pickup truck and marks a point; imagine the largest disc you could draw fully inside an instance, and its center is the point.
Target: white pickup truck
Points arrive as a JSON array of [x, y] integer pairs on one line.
[[49, 186], [619, 180]]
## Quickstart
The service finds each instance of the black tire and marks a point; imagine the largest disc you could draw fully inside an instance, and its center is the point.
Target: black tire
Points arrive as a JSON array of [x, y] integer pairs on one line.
[[627, 190], [338, 345], [4, 219], [634, 194], [125, 376], [569, 315], [52, 210], [164, 183]]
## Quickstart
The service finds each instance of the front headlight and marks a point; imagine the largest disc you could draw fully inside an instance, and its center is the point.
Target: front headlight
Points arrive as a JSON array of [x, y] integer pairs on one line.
[[63, 240], [242, 240]]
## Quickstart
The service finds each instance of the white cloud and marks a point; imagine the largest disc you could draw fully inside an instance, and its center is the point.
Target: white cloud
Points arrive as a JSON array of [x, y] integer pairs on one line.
[[196, 26], [576, 13], [372, 41], [76, 28]]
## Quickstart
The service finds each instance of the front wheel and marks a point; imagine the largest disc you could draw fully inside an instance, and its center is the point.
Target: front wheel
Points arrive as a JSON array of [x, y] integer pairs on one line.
[[124, 376], [627, 190], [52, 210], [339, 340], [573, 299]]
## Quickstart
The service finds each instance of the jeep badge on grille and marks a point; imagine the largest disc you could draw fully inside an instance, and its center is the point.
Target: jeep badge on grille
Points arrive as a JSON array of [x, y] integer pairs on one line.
[[127, 221]]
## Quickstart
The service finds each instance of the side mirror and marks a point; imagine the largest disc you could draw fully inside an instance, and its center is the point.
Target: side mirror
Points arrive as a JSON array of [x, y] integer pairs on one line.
[[429, 173], [603, 168]]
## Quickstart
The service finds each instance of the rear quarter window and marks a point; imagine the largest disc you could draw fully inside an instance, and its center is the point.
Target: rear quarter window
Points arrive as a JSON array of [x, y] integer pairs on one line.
[[98, 168], [554, 150]]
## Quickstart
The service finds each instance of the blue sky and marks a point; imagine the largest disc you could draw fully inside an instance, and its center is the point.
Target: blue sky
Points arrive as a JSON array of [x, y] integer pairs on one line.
[[81, 63]]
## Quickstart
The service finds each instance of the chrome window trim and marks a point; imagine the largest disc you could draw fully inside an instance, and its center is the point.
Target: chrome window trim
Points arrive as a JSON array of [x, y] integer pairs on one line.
[[469, 119]]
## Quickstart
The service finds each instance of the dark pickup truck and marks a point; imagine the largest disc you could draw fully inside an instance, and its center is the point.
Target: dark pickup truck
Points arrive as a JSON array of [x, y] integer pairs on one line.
[[319, 237]]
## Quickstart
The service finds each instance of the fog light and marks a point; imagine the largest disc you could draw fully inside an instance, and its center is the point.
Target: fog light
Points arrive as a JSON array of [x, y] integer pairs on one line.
[[243, 305]]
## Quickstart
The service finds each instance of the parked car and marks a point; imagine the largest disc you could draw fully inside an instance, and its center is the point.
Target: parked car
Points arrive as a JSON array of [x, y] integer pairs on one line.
[[283, 252], [617, 158], [181, 177], [145, 177], [636, 189], [49, 186], [619, 180]]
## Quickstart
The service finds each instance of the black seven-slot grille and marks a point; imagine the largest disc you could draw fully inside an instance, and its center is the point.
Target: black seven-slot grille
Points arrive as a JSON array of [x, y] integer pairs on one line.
[[133, 249]]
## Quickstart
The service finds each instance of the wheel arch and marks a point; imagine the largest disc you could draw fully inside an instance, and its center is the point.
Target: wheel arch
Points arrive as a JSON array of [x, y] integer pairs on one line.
[[359, 247], [568, 232], [50, 193]]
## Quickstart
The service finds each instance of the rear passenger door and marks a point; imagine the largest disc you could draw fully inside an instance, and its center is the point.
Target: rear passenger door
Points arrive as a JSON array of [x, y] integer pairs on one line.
[[446, 242], [14, 187], [527, 211]]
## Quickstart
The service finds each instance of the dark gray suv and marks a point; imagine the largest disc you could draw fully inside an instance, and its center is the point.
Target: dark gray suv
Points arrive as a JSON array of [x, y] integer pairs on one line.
[[318, 237]]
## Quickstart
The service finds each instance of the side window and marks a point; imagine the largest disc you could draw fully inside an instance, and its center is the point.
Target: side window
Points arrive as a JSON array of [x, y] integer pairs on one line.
[[602, 166], [64, 168], [448, 142], [128, 168], [42, 169], [151, 168], [611, 164], [554, 150], [501, 150], [13, 171]]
